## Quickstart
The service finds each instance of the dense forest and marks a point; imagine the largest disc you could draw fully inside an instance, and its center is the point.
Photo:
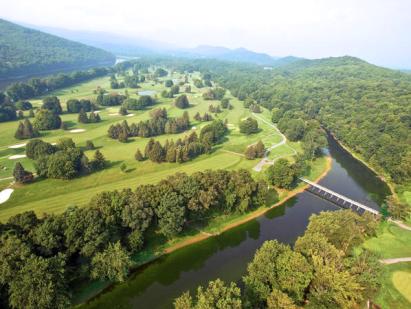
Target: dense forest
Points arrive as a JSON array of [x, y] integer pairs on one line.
[[43, 259], [366, 107], [25, 51]]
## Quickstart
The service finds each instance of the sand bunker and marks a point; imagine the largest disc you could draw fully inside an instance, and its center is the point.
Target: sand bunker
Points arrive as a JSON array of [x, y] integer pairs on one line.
[[17, 157], [114, 114], [5, 195], [130, 115], [17, 146], [77, 131]]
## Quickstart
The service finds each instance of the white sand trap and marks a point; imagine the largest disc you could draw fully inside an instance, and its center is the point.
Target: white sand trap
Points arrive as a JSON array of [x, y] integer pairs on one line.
[[114, 114], [77, 131], [17, 157], [193, 128], [17, 146], [5, 195], [96, 112], [54, 144], [129, 115]]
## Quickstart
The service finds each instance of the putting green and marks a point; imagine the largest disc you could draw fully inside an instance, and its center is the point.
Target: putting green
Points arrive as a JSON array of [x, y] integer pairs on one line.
[[402, 282]]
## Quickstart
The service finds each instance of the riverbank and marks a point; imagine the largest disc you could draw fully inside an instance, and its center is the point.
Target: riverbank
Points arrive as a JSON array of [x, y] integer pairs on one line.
[[92, 290], [358, 157], [391, 242], [252, 215]]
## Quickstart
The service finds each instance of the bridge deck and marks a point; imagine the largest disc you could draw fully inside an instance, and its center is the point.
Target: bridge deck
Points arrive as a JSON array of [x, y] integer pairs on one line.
[[342, 197]]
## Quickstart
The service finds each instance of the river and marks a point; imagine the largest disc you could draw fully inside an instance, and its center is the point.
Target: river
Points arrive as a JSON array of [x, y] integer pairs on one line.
[[226, 256]]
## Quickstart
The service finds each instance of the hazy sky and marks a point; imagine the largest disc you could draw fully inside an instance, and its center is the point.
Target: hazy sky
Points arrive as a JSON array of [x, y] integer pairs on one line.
[[378, 31]]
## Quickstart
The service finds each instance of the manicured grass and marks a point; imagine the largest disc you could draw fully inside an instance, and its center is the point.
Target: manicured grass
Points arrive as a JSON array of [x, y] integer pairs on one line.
[[393, 242], [401, 281], [396, 283], [51, 195]]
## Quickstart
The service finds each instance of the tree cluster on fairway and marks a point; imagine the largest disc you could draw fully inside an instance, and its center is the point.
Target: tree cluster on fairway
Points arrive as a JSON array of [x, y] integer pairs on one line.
[[214, 109], [168, 83], [114, 83], [160, 72], [255, 108], [91, 118], [255, 151], [214, 93], [204, 118], [46, 120], [63, 161], [225, 103], [25, 130], [185, 149], [43, 259], [7, 109], [198, 83], [159, 124], [140, 103], [175, 89], [75, 106], [322, 271], [249, 126], [52, 104], [111, 99]]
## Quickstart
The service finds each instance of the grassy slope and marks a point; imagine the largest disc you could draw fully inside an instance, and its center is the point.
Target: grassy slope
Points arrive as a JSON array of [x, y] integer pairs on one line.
[[55, 195]]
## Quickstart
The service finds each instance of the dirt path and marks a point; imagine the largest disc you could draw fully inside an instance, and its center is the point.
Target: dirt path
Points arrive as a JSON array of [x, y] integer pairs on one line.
[[397, 260], [400, 224], [265, 160]]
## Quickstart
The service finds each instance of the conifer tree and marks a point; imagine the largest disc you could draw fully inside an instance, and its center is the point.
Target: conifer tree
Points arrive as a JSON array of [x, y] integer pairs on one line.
[[20, 131], [82, 116], [89, 145], [21, 175], [139, 156], [259, 149], [250, 153], [99, 161], [123, 111]]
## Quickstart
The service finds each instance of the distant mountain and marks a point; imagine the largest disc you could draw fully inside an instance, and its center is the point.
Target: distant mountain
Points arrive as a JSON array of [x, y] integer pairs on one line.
[[25, 51], [133, 46], [237, 55], [114, 43], [337, 68]]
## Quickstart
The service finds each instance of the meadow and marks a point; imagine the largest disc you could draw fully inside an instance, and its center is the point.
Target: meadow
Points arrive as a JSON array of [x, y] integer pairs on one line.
[[54, 196]]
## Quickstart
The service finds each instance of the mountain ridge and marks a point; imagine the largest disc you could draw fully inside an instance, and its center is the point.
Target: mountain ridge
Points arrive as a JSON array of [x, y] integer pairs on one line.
[[26, 51]]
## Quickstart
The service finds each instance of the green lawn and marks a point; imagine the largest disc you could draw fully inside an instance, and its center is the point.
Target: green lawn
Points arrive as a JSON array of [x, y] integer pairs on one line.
[[51, 195], [394, 242]]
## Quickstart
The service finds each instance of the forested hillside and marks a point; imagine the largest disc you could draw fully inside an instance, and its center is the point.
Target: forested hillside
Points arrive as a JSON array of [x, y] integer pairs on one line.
[[366, 107], [24, 51]]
